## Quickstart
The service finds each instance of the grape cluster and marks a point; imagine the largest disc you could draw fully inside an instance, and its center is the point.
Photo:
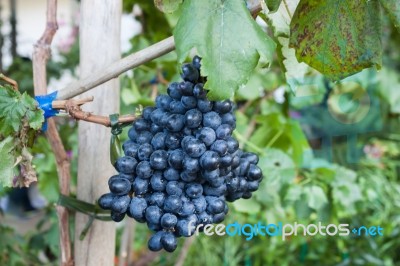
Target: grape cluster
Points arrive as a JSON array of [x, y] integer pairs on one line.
[[181, 164]]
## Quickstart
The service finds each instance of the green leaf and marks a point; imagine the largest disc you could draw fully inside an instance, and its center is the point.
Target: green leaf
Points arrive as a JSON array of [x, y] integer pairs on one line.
[[247, 206], [390, 88], [273, 5], [167, 6], [337, 38], [392, 7], [35, 119], [316, 197], [14, 107], [227, 38], [6, 162]]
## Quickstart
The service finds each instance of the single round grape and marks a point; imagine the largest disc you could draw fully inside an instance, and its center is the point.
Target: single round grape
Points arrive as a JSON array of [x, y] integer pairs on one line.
[[191, 165], [154, 129], [196, 62], [189, 102], [168, 221], [253, 185], [171, 174], [233, 144], [174, 188], [126, 164], [144, 151], [120, 186], [194, 148], [193, 118], [158, 141], [187, 209], [137, 207], [141, 124], [168, 241], [154, 243], [144, 170], [140, 186], [163, 101], [204, 105], [117, 217], [120, 204], [175, 159], [214, 205], [130, 148], [177, 107], [229, 119], [194, 190], [209, 160], [186, 88], [157, 198], [175, 122], [206, 135], [153, 214], [222, 107], [224, 131], [147, 112], [159, 160], [144, 137], [220, 146], [198, 91], [218, 218], [173, 90], [172, 204], [105, 201], [254, 172], [190, 73], [211, 119], [172, 141]]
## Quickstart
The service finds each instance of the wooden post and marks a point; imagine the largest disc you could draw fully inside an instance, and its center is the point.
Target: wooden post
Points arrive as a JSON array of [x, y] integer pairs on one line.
[[99, 46]]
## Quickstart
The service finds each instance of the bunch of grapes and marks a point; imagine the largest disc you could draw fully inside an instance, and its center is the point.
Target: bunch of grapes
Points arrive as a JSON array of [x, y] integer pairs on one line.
[[181, 164]]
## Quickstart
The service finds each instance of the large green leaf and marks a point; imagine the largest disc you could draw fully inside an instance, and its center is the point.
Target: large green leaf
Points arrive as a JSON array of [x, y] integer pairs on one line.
[[227, 38], [392, 7], [6, 161], [337, 38]]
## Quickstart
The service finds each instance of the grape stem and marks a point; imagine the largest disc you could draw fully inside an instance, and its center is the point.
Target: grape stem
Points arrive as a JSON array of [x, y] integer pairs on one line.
[[72, 107], [131, 61]]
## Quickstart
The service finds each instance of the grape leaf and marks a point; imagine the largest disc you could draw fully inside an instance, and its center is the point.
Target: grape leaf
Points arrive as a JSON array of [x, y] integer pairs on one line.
[[14, 108], [167, 6], [392, 7], [227, 38], [273, 5], [337, 38], [6, 162]]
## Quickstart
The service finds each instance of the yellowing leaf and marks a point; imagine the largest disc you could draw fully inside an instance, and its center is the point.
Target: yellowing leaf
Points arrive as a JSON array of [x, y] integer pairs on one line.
[[337, 38]]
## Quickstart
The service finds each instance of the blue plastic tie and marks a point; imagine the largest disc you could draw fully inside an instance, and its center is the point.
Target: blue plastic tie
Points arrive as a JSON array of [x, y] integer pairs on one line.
[[45, 103]]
